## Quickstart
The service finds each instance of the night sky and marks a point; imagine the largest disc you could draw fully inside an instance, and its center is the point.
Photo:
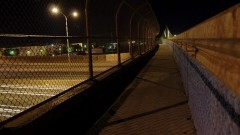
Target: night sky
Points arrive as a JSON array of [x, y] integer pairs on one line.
[[180, 15], [33, 16]]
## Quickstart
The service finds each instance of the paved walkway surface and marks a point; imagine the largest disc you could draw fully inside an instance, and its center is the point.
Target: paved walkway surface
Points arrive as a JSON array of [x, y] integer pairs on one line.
[[153, 104]]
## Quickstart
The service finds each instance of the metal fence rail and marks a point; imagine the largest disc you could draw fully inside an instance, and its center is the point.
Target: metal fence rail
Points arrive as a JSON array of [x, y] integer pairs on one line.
[[208, 58], [43, 56], [215, 44]]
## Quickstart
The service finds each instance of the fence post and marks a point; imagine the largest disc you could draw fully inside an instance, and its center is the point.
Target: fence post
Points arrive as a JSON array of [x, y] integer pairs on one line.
[[90, 62], [117, 34]]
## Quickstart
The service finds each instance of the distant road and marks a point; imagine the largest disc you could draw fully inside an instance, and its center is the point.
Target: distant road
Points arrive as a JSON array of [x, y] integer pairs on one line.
[[25, 84]]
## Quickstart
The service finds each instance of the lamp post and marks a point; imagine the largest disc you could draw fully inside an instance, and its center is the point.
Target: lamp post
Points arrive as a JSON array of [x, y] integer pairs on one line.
[[55, 10]]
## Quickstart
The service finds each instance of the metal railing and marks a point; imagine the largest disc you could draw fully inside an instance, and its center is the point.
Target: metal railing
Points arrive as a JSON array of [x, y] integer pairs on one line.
[[208, 58], [216, 39], [39, 69]]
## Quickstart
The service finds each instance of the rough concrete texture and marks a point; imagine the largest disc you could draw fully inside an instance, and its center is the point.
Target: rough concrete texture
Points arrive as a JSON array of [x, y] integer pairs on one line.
[[215, 108], [223, 25], [218, 42]]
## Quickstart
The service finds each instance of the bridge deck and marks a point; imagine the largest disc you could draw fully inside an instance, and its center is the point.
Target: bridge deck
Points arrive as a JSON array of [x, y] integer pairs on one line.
[[153, 104]]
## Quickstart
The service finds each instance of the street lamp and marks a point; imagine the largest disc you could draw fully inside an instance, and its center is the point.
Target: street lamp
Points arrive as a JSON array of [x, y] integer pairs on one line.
[[55, 10]]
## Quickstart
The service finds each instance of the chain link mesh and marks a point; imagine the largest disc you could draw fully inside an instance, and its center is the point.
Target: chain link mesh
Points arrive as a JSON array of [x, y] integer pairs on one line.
[[39, 60]]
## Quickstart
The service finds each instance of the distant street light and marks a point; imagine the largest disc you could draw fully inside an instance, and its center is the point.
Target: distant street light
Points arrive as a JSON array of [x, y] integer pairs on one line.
[[55, 10]]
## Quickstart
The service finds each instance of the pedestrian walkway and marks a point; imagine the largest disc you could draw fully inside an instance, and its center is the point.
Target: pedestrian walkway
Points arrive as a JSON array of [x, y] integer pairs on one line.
[[153, 104]]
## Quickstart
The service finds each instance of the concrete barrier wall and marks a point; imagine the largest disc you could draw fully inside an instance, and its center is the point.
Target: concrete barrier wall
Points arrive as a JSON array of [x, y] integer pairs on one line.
[[114, 57], [216, 45], [52, 59], [223, 25], [64, 59], [215, 108]]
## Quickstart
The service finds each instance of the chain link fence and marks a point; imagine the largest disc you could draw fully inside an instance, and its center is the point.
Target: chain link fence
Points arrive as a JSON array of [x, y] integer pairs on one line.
[[45, 55]]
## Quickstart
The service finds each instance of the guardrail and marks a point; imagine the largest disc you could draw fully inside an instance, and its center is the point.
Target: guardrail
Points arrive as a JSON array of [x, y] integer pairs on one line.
[[208, 57], [217, 39]]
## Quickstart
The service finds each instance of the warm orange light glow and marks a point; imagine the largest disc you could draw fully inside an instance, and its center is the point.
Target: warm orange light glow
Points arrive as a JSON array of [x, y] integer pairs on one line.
[[75, 14], [55, 10]]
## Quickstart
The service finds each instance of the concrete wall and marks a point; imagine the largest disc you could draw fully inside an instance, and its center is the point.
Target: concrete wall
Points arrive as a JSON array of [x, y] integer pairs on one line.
[[64, 59], [215, 108], [114, 57], [217, 45], [223, 25], [52, 59]]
